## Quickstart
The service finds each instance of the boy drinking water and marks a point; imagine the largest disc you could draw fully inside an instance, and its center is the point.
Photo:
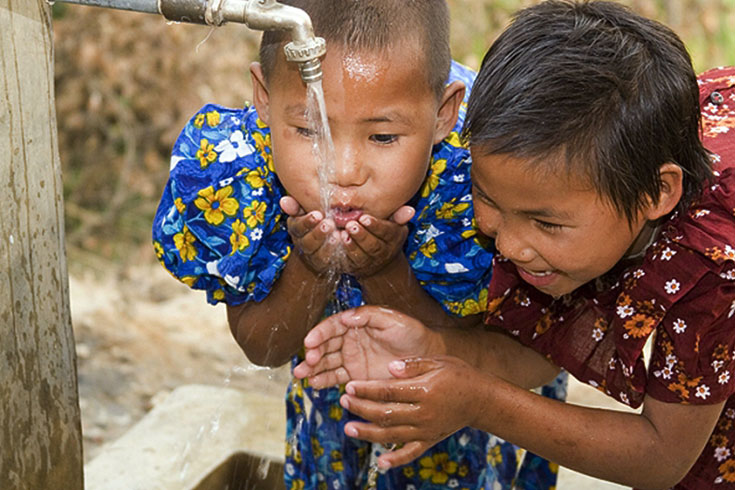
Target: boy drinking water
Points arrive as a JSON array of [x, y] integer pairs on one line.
[[614, 226], [241, 218]]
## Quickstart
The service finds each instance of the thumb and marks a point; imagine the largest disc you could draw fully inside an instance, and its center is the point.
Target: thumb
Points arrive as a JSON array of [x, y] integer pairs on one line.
[[291, 206], [412, 367]]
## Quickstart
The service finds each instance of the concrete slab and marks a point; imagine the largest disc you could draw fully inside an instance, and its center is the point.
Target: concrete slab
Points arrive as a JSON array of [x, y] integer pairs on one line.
[[188, 436]]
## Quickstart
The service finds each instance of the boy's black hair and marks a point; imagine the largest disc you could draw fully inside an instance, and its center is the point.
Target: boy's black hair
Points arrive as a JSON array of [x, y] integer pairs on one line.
[[376, 26], [599, 88]]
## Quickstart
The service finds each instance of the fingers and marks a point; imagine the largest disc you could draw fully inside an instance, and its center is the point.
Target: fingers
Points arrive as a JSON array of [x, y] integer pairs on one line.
[[325, 379], [413, 367], [403, 215], [378, 317], [403, 455], [291, 206], [327, 329]]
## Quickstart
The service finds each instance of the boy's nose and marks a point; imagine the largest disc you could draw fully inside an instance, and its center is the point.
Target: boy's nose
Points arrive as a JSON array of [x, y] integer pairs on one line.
[[348, 169], [513, 248]]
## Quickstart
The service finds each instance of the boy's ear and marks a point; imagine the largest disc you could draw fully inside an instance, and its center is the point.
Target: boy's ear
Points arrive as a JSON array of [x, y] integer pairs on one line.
[[448, 110], [261, 98], [672, 182]]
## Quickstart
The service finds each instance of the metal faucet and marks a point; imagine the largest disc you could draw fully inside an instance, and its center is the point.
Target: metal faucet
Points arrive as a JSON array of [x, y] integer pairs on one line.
[[264, 15]]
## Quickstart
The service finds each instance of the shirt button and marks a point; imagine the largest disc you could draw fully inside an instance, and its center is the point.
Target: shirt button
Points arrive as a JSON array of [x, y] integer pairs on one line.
[[716, 98]]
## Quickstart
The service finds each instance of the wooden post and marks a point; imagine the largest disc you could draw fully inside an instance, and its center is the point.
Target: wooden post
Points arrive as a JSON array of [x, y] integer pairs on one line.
[[40, 433]]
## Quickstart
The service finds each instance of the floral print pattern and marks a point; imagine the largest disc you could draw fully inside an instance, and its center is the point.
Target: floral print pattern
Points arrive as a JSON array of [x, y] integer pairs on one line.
[[682, 289], [219, 228]]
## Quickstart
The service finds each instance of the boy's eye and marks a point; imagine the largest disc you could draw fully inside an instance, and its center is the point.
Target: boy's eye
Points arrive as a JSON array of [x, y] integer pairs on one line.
[[548, 226], [384, 139], [306, 132]]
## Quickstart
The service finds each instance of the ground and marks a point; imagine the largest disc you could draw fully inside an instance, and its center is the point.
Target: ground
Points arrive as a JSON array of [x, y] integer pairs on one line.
[[140, 334]]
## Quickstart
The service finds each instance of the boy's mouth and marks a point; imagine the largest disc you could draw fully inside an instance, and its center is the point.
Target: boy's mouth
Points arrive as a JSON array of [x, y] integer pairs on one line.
[[343, 215], [537, 279]]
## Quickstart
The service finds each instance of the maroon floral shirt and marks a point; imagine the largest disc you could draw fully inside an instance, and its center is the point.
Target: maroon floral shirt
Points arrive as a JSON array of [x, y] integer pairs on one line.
[[683, 289]]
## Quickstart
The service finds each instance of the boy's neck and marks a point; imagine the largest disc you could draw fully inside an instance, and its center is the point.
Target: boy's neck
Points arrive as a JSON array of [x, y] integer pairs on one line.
[[644, 240]]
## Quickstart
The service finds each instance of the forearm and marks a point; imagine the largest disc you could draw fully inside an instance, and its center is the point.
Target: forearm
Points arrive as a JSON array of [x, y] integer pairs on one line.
[[271, 331], [396, 287], [610, 445], [495, 352]]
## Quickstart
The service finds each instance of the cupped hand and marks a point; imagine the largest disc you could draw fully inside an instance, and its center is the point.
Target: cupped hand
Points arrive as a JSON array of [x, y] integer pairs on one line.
[[429, 399], [359, 344], [315, 237], [371, 243]]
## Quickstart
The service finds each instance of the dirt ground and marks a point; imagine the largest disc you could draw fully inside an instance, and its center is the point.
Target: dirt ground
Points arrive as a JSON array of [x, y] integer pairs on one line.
[[140, 334]]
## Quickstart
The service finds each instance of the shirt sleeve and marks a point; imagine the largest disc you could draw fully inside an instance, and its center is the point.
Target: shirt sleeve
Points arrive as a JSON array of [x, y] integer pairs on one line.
[[450, 260], [218, 226]]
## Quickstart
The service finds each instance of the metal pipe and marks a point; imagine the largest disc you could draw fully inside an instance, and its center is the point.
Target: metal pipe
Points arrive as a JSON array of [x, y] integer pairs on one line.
[[265, 15], [147, 6]]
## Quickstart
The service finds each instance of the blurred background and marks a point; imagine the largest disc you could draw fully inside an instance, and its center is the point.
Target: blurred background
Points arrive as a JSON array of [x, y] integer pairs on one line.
[[126, 83]]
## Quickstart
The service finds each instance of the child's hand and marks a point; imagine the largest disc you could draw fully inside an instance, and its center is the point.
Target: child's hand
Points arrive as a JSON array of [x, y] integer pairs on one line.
[[359, 344], [317, 238], [430, 400], [370, 243]]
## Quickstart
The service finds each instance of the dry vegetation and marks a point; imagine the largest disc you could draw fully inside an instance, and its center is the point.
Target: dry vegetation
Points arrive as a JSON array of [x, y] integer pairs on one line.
[[127, 82]]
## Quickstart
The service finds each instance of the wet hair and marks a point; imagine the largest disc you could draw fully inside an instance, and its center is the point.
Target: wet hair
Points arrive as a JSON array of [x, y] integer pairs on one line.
[[597, 88], [375, 26]]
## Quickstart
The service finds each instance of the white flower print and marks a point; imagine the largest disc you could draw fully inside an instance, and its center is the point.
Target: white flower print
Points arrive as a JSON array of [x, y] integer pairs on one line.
[[729, 275], [680, 325], [721, 453], [256, 234], [639, 273], [625, 311], [624, 398], [732, 310], [289, 469], [458, 178], [702, 392], [667, 254], [730, 413], [233, 148], [526, 302], [672, 286], [671, 360], [724, 377], [666, 372], [701, 213], [226, 182], [258, 192], [730, 252], [453, 483], [717, 364], [466, 222], [597, 334], [464, 439]]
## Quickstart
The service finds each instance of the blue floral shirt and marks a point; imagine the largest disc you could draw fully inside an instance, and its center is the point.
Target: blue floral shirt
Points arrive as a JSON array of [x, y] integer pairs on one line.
[[219, 227]]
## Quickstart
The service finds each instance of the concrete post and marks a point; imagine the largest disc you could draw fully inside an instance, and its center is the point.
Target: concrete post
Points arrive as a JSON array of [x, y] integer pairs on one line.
[[40, 429]]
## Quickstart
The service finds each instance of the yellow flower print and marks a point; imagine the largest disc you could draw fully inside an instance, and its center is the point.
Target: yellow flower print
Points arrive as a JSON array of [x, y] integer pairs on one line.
[[335, 412], [216, 204], [727, 470], [238, 239], [639, 325], [206, 153], [408, 471], [199, 121], [495, 456], [464, 470], [219, 295], [432, 180], [429, 248], [474, 306], [260, 123], [322, 485], [255, 213], [189, 280], [158, 249], [454, 139], [337, 464], [297, 484], [256, 179], [180, 206], [437, 467], [213, 118], [184, 242], [449, 210], [316, 447], [263, 144]]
